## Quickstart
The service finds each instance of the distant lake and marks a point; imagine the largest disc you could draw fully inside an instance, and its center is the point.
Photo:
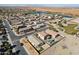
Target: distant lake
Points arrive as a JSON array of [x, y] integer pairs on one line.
[[68, 16], [39, 12]]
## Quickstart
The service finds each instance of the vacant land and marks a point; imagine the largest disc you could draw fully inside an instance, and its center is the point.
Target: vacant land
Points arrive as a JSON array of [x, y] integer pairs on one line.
[[72, 11], [70, 29], [64, 47]]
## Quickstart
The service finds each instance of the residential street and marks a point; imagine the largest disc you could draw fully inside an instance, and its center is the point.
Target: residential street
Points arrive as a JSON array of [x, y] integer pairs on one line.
[[15, 39]]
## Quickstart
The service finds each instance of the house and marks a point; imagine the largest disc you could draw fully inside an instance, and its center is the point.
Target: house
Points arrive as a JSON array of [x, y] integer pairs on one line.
[[49, 17], [44, 36], [25, 29], [39, 26], [15, 22], [36, 27], [35, 41], [2, 31], [53, 33], [28, 46], [37, 22], [17, 26]]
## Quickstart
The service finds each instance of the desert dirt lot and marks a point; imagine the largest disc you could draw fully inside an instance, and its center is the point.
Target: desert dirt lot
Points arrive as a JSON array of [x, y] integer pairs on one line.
[[73, 11], [64, 47]]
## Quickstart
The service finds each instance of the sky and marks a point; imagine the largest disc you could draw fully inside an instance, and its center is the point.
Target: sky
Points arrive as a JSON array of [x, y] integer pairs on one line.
[[42, 5]]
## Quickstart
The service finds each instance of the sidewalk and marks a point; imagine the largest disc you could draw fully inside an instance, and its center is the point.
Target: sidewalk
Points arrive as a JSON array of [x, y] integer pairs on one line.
[[10, 41]]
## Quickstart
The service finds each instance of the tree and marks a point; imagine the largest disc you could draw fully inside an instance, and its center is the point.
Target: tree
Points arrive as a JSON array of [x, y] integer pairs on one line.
[[5, 38], [11, 47]]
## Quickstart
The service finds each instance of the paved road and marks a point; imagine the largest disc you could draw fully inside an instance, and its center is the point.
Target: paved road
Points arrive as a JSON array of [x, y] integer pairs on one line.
[[15, 39]]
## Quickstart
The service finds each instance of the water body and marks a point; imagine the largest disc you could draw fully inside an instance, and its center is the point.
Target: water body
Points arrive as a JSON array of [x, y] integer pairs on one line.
[[68, 16], [39, 12]]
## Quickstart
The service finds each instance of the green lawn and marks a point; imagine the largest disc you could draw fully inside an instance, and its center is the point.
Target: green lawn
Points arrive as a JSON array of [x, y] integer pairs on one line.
[[70, 29]]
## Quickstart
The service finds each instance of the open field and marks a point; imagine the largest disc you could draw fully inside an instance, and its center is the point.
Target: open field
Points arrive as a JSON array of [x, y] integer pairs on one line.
[[70, 29]]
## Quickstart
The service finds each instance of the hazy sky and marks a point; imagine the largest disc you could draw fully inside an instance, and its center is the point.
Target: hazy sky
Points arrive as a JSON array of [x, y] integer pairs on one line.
[[43, 5]]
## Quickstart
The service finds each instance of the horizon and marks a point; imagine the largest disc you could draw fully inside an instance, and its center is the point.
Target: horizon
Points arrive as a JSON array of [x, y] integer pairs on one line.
[[39, 5]]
